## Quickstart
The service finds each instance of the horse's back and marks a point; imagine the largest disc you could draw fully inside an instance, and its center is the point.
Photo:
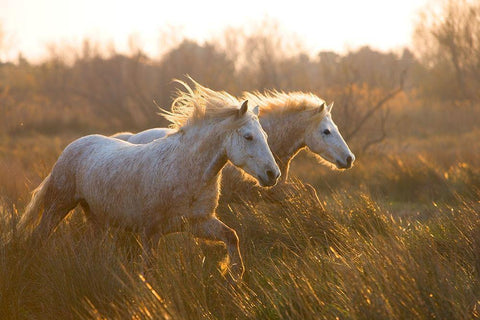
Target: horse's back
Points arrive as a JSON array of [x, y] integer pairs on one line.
[[149, 135], [94, 142], [89, 151], [122, 135], [111, 161]]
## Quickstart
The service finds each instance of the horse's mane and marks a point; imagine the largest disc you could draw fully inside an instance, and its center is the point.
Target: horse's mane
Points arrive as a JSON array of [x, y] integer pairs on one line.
[[275, 102], [192, 106]]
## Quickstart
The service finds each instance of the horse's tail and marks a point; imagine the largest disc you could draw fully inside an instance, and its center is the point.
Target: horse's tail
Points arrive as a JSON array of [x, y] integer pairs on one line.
[[33, 211]]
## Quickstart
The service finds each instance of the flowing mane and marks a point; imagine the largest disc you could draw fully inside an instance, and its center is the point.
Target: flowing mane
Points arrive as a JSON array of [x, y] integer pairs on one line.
[[199, 104], [272, 102], [292, 121]]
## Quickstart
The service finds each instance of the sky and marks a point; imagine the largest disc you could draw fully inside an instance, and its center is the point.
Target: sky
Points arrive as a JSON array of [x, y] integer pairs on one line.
[[334, 25]]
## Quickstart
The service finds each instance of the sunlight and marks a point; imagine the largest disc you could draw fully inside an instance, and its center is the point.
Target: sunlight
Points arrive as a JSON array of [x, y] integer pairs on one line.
[[333, 25]]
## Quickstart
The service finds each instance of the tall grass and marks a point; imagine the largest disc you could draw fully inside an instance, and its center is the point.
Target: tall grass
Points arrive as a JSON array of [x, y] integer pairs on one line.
[[395, 237], [348, 258]]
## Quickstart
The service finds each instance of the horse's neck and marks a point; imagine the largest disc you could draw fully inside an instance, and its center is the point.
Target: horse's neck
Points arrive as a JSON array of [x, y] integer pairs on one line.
[[286, 137], [203, 146], [216, 164]]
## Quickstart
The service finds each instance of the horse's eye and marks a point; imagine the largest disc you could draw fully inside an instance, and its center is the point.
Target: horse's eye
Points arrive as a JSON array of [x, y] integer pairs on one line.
[[326, 132], [248, 137]]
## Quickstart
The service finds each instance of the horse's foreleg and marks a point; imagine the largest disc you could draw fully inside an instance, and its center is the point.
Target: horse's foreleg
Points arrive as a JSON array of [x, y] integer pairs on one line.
[[150, 235], [215, 230]]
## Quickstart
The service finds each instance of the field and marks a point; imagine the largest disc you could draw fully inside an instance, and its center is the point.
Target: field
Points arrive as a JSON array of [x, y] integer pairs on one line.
[[395, 237]]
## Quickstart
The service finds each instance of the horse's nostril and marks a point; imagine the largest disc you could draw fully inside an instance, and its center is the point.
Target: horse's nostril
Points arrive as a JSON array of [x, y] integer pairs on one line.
[[349, 160], [271, 175]]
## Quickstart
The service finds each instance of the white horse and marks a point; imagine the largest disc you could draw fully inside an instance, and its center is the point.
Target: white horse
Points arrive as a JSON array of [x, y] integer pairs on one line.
[[162, 186], [143, 137], [293, 121]]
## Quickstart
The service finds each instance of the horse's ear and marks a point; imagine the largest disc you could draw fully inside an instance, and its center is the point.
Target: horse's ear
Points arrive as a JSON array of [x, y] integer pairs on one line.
[[243, 109], [256, 110], [330, 106], [322, 106]]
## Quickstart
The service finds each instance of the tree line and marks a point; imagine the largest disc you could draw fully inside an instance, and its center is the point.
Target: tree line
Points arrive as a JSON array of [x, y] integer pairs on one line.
[[92, 90]]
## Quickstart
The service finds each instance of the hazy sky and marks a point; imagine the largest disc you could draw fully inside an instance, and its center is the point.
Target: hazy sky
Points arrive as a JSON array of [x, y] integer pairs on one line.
[[322, 25]]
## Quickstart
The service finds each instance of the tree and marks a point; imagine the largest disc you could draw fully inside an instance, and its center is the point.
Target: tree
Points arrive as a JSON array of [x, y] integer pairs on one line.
[[447, 40], [203, 62], [263, 54], [363, 84]]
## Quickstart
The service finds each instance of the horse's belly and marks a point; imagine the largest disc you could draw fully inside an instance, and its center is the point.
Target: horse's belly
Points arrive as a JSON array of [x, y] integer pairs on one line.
[[117, 214], [198, 205]]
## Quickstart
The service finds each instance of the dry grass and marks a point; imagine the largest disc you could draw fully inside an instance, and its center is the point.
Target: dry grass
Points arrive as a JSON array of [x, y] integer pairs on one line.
[[354, 260], [396, 237]]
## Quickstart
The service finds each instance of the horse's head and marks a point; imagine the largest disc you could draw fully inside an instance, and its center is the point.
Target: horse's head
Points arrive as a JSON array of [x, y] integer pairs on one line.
[[247, 148], [323, 138]]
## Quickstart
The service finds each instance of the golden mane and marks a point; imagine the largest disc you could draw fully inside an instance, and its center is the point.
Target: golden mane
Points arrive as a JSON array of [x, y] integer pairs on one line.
[[272, 102], [198, 104]]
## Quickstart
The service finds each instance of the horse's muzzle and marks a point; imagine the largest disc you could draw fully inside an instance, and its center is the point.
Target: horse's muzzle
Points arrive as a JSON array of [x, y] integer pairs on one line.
[[347, 164], [270, 178]]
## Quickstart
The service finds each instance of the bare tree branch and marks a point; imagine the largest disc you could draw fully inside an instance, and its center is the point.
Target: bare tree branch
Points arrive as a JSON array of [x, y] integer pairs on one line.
[[383, 132], [376, 107]]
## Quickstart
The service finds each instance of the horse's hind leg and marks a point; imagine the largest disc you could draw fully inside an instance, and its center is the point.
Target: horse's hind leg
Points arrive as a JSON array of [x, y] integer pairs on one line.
[[93, 222], [50, 219], [215, 230], [58, 203]]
